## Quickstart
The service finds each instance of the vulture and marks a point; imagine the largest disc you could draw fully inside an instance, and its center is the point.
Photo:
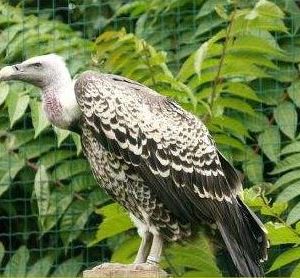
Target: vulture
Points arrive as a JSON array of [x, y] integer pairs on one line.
[[151, 156]]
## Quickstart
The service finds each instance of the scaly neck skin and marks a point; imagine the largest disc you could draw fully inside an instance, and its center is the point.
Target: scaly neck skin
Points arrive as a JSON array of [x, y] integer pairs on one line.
[[59, 102]]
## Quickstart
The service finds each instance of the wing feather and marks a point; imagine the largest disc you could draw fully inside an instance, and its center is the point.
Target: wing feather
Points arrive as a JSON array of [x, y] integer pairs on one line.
[[170, 148]]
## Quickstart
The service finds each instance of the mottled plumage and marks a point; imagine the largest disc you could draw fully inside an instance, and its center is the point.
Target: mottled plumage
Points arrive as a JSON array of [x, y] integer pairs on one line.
[[155, 159], [151, 146]]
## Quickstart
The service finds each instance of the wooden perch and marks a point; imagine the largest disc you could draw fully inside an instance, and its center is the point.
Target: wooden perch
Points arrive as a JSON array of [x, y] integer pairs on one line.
[[124, 271]]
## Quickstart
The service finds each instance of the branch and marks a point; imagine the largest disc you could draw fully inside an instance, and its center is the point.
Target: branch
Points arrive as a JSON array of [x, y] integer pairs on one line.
[[218, 80], [56, 182]]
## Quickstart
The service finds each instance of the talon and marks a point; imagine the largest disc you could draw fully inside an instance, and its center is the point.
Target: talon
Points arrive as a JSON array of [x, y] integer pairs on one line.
[[144, 266], [152, 261]]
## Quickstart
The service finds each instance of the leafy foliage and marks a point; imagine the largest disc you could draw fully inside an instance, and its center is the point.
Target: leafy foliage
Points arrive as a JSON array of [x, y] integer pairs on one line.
[[234, 64], [221, 82], [60, 192]]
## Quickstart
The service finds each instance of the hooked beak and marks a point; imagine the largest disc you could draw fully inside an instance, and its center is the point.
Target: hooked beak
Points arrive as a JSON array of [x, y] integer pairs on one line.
[[9, 72]]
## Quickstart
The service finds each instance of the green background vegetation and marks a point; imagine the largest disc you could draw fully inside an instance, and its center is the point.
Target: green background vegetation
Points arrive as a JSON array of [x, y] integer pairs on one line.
[[235, 64]]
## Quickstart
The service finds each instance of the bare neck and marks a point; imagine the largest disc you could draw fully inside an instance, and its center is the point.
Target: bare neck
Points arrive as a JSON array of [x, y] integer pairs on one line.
[[59, 103]]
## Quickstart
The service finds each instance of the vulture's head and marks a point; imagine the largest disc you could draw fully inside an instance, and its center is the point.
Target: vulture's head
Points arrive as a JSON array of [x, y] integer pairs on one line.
[[49, 72], [41, 71]]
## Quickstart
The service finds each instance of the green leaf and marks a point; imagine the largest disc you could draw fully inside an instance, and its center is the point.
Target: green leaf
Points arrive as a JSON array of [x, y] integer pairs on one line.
[[285, 258], [268, 9], [199, 57], [269, 141], [254, 168], [41, 268], [221, 11], [256, 65], [3, 150], [286, 117], [273, 96], [207, 24], [38, 116], [281, 234], [133, 57], [241, 90], [112, 214], [61, 134], [289, 163], [83, 182], [126, 252], [17, 104], [209, 7], [8, 34], [2, 251], [292, 55], [229, 124], [98, 198], [256, 123], [275, 210], [235, 104], [294, 92], [4, 90], [187, 69], [70, 168], [4, 123], [286, 73], [74, 220], [35, 148], [242, 69], [60, 199], [253, 197], [77, 141], [10, 164], [294, 147], [42, 192], [69, 268], [54, 158], [290, 192], [197, 255], [229, 141], [296, 271], [195, 273], [253, 44], [18, 138], [16, 267], [286, 178], [294, 215], [260, 18]]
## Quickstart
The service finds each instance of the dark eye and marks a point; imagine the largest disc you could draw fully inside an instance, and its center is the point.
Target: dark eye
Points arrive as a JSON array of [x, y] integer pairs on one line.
[[37, 65]]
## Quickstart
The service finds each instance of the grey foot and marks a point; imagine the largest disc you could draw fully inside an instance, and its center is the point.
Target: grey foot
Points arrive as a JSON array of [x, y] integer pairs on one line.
[[147, 267], [144, 266]]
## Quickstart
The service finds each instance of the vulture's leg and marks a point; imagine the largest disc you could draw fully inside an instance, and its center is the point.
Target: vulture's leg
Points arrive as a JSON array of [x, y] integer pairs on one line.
[[151, 265], [155, 251], [144, 248]]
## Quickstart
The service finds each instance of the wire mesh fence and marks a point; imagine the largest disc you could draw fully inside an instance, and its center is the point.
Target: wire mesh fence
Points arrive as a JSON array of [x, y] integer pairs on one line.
[[232, 63]]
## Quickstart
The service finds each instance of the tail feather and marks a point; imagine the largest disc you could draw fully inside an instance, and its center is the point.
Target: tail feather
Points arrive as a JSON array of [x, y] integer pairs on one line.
[[245, 238]]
